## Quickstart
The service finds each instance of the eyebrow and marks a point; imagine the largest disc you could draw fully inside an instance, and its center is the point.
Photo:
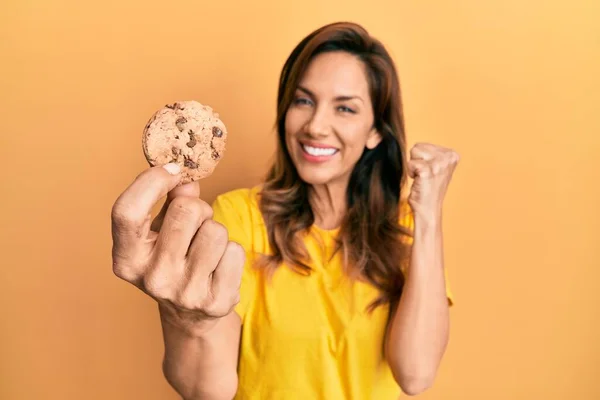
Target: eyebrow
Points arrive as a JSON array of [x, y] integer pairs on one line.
[[338, 98]]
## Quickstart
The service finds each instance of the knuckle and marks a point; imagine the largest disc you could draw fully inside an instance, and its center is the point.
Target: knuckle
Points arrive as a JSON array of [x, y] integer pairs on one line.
[[205, 209], [187, 302], [157, 284], [235, 300], [184, 208], [236, 250], [215, 308], [124, 215], [120, 269], [219, 304], [215, 231], [192, 297], [123, 272]]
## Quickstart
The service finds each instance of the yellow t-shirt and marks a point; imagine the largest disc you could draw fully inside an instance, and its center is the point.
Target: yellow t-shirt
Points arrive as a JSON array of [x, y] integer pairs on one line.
[[304, 337]]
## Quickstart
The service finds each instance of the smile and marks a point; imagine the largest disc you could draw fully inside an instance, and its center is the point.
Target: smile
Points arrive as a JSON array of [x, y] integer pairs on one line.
[[319, 151]]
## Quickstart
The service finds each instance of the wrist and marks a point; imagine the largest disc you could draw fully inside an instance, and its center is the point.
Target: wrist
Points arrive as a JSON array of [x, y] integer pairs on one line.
[[430, 220], [188, 322]]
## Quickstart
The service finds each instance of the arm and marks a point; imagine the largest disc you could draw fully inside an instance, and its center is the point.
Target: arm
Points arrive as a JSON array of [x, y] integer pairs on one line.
[[186, 262], [200, 361], [419, 328], [418, 331], [201, 357]]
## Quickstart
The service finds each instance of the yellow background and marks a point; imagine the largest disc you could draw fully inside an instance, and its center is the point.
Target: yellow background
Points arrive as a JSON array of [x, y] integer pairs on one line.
[[513, 86]]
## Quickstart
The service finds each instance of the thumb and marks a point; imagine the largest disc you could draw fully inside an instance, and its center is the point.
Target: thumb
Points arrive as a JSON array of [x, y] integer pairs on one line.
[[191, 189], [418, 168], [412, 168]]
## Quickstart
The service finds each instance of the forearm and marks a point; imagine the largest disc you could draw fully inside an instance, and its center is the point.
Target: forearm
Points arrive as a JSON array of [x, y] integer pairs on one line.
[[419, 328], [200, 362]]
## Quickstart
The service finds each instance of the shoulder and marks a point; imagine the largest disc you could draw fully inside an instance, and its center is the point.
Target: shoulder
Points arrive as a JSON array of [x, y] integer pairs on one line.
[[238, 211], [242, 200], [239, 196]]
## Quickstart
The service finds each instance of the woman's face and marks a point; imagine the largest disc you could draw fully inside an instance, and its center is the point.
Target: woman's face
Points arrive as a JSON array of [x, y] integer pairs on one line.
[[330, 120]]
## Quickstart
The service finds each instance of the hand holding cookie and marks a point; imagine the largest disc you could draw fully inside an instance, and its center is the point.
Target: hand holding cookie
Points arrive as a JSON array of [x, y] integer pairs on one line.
[[183, 258]]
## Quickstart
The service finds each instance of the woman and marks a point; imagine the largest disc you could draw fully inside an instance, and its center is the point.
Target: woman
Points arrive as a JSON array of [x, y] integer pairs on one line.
[[322, 283]]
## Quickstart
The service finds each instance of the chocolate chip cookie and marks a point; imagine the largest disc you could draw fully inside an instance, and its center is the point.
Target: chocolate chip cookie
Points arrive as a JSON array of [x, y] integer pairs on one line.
[[187, 133]]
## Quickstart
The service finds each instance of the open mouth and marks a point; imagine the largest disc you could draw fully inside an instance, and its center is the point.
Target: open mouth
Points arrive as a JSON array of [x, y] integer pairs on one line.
[[319, 151]]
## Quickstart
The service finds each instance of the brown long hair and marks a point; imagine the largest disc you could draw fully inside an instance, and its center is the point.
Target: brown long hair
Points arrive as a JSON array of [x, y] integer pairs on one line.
[[370, 234]]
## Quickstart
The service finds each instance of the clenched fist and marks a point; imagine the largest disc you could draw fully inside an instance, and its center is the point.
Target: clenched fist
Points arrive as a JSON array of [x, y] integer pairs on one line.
[[183, 258], [431, 167]]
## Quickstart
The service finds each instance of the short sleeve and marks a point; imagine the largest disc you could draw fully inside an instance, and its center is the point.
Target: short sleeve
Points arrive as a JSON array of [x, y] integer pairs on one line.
[[407, 221], [232, 211]]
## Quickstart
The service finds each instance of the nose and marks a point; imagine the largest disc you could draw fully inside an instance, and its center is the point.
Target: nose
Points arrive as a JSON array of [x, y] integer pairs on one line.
[[318, 126]]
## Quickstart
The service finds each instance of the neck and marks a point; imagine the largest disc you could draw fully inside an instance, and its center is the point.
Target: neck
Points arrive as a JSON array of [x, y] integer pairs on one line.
[[328, 203]]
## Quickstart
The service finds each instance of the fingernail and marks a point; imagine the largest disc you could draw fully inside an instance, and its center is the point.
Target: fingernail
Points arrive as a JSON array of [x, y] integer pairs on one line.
[[172, 168]]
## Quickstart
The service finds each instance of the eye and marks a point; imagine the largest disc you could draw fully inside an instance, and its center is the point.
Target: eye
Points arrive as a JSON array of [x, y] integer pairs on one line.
[[346, 109], [302, 101]]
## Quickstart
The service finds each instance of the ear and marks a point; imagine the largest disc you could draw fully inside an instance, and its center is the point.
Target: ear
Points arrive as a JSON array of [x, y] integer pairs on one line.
[[373, 140]]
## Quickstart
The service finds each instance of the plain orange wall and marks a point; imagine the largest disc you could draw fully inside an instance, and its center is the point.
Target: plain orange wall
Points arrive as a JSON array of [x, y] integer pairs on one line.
[[513, 86]]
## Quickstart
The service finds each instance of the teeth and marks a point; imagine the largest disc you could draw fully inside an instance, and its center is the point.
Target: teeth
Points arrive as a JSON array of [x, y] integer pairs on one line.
[[317, 151]]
